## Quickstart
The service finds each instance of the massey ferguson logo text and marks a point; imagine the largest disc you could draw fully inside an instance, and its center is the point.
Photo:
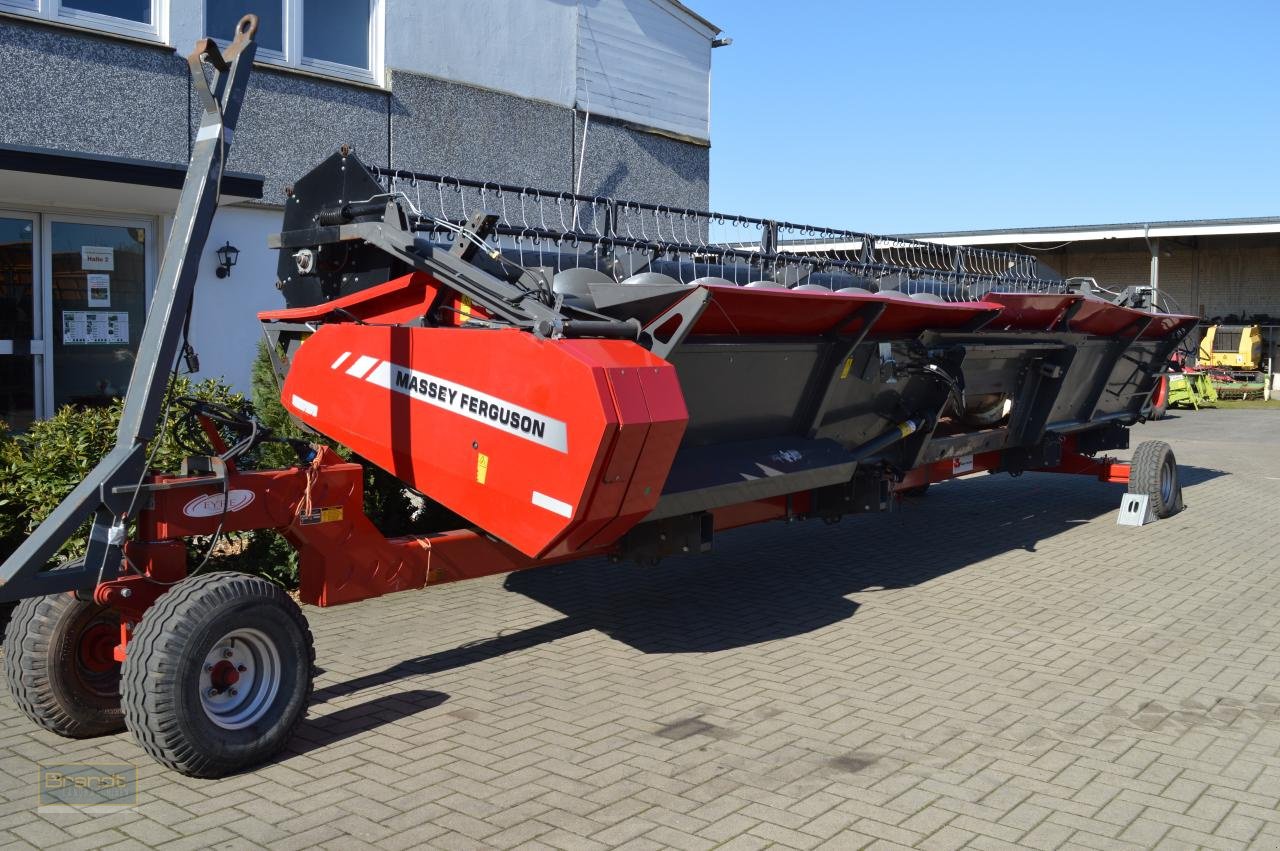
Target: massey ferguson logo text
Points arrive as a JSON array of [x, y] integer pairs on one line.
[[462, 400]]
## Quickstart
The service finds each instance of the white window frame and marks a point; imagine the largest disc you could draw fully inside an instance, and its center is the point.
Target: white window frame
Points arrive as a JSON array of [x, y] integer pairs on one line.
[[53, 11], [293, 58]]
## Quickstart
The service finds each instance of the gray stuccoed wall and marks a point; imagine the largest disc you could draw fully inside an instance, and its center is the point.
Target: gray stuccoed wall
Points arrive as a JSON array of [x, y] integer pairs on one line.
[[80, 92], [68, 91]]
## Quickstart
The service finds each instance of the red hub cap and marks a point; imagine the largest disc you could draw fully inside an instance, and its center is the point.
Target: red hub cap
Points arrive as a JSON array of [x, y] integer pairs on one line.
[[97, 647], [224, 675]]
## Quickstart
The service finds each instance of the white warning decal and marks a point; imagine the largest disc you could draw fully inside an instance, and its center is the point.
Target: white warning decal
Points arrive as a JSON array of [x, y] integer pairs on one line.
[[473, 404], [550, 503]]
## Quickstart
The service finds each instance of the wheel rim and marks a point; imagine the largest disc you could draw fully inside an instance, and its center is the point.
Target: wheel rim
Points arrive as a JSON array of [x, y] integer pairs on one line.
[[240, 678], [95, 664], [1168, 476]]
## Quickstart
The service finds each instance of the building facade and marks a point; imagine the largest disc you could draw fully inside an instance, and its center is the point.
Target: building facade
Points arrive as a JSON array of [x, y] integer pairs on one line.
[[608, 97]]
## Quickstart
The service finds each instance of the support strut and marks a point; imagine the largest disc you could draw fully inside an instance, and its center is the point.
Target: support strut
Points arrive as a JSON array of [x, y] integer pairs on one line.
[[111, 492]]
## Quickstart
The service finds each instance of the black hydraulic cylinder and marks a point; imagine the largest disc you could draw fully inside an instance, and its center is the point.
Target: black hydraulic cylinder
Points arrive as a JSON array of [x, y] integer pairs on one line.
[[901, 431], [605, 328]]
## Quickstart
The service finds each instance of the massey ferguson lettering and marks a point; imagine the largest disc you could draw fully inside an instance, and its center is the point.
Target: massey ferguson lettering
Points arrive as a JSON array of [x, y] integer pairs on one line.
[[482, 409], [473, 404]]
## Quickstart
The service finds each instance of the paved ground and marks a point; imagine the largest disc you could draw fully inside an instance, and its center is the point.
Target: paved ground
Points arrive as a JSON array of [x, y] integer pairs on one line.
[[999, 664]]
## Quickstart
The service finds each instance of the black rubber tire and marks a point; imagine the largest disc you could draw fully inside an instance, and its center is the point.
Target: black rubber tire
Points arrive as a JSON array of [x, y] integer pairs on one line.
[[48, 678], [1154, 471], [1158, 404], [162, 671]]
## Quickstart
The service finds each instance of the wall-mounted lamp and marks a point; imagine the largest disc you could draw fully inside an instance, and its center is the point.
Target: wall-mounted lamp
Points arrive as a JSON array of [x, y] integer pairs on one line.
[[227, 257], [721, 42]]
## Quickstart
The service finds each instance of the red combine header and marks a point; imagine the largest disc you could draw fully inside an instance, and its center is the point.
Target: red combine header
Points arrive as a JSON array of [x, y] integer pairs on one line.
[[573, 377]]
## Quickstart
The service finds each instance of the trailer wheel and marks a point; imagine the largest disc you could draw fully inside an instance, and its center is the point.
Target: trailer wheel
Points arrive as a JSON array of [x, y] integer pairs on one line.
[[218, 674], [1158, 404], [59, 659], [1154, 471]]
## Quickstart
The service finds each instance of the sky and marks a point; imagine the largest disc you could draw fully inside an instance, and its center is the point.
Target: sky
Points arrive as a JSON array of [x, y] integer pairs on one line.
[[913, 116]]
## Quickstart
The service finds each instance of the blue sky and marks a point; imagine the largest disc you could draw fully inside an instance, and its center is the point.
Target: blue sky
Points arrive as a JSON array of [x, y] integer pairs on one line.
[[918, 116]]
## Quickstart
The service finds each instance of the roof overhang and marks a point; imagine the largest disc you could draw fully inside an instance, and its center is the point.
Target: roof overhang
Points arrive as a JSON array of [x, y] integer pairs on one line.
[[43, 177], [1061, 235], [689, 13], [1094, 233]]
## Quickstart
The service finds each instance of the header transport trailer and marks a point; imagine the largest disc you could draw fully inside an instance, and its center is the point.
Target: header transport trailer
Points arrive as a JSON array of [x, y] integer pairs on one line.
[[573, 377]]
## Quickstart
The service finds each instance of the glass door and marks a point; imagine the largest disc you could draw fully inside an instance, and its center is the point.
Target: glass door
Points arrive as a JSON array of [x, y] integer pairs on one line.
[[21, 328], [98, 272]]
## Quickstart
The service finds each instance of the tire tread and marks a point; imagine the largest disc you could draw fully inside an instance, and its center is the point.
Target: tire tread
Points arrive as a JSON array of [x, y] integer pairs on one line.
[[148, 704], [1144, 476], [28, 640]]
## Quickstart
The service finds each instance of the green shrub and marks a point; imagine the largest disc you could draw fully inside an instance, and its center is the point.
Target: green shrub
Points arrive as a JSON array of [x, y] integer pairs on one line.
[[39, 467]]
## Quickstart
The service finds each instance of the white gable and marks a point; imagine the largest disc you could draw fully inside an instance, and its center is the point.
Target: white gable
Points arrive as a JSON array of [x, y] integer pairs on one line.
[[647, 62]]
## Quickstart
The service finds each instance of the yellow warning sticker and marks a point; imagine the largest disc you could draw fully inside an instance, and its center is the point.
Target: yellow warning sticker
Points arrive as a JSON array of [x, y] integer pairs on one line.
[[482, 467], [848, 365], [320, 515], [464, 308]]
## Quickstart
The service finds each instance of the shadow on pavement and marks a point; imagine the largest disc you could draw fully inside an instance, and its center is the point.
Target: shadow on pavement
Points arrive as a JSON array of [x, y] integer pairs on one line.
[[778, 580], [761, 584], [318, 731]]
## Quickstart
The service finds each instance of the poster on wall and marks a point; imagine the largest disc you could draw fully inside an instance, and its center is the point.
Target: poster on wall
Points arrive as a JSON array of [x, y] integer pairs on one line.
[[95, 328], [97, 258], [99, 289]]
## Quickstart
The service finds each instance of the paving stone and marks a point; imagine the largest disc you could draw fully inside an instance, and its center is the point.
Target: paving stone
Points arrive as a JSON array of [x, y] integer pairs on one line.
[[997, 665]]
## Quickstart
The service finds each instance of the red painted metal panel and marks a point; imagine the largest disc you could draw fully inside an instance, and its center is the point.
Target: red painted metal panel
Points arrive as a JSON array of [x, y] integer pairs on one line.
[[1166, 324], [1029, 311], [398, 300], [750, 311], [1104, 319], [319, 509], [744, 311], [508, 430]]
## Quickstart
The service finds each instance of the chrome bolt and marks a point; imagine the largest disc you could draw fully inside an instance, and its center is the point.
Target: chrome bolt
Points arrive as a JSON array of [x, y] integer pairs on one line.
[[213, 692], [226, 654], [241, 668], [234, 692], [208, 669]]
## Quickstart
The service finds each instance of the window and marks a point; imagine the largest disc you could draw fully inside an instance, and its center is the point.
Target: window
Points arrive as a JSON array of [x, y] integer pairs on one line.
[[221, 17], [142, 18], [340, 38]]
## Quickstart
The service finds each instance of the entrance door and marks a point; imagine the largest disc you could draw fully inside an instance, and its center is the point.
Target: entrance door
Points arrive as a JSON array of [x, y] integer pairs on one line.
[[21, 328], [98, 273]]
